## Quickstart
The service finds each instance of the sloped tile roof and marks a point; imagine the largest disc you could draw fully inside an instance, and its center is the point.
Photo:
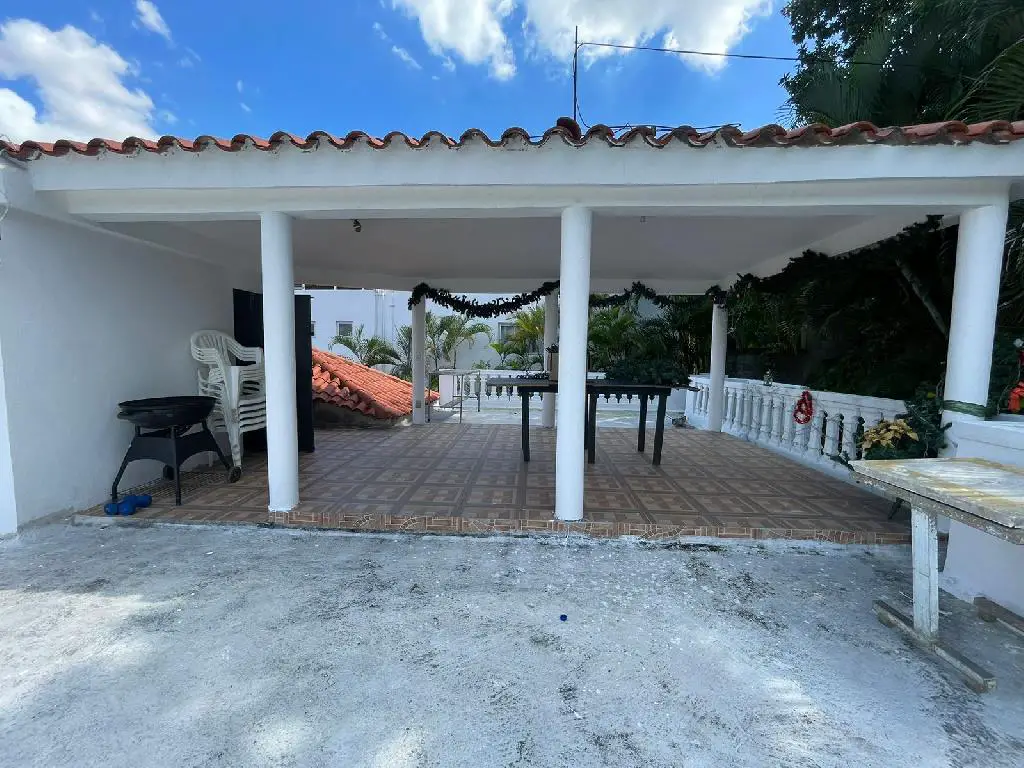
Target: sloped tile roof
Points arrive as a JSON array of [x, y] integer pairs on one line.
[[349, 384], [565, 130]]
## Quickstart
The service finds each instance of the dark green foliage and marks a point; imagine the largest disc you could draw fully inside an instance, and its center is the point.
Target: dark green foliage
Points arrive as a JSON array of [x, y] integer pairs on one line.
[[1006, 370]]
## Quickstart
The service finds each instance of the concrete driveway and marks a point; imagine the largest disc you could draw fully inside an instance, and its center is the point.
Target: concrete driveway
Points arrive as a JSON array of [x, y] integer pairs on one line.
[[213, 647]]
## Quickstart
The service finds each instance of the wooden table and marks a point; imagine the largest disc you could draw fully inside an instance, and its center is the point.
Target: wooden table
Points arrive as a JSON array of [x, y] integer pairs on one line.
[[596, 388], [980, 494]]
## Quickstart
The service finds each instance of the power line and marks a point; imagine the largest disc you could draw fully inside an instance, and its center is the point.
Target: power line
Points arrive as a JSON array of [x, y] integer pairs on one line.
[[577, 115]]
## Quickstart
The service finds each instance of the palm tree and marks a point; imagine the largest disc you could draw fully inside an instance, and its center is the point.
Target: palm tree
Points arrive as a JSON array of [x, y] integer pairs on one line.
[[529, 328], [402, 367], [610, 336], [458, 330], [368, 351]]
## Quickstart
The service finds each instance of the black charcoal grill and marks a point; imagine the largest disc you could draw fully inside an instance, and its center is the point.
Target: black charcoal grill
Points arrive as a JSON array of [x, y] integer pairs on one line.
[[165, 431]]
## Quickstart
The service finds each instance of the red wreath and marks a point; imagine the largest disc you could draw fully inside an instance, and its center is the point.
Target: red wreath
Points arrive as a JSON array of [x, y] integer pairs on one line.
[[804, 409]]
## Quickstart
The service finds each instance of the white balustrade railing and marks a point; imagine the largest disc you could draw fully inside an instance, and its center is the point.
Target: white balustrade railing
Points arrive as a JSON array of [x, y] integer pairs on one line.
[[469, 387], [763, 414]]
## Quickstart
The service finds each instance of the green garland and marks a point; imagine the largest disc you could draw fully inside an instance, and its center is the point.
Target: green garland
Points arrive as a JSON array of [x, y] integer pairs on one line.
[[473, 308]]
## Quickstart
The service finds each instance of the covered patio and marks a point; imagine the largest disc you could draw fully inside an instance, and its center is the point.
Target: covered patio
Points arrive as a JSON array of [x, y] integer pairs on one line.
[[469, 479], [681, 211]]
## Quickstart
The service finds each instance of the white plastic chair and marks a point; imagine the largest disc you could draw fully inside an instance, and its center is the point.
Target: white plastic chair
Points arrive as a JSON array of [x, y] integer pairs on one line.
[[236, 378]]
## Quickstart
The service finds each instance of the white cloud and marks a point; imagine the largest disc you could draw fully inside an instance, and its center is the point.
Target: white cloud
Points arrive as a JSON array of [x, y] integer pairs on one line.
[[480, 31], [95, 17], [470, 28], [185, 62], [150, 18], [405, 56], [239, 86], [79, 83], [168, 117], [245, 107]]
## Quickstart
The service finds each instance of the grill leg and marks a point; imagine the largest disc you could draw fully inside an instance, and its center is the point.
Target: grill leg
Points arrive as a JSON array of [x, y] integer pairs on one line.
[[117, 480], [177, 468], [216, 447]]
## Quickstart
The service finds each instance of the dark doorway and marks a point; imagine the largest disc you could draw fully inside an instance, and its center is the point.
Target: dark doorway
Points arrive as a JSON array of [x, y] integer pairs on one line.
[[249, 332]]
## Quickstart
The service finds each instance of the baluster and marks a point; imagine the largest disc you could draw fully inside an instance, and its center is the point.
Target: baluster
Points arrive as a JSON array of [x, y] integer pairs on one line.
[[786, 432], [831, 446], [755, 415], [812, 449], [765, 432], [749, 415], [730, 410], [851, 421], [777, 407]]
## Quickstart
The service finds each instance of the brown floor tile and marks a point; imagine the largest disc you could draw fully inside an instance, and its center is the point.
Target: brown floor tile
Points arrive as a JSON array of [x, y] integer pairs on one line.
[[471, 479]]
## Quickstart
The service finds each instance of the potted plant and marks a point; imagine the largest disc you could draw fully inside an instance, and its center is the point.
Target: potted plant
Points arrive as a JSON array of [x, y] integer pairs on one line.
[[552, 362]]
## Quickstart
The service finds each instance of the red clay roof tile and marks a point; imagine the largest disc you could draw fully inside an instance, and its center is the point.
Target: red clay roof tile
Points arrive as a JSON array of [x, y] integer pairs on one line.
[[565, 129], [348, 384]]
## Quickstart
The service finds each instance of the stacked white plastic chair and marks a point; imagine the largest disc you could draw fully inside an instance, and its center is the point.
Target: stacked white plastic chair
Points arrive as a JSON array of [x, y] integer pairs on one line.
[[234, 375]]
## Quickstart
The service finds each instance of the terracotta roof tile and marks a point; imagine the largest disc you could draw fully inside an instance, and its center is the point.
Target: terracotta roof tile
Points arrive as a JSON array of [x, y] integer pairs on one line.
[[565, 130], [348, 384]]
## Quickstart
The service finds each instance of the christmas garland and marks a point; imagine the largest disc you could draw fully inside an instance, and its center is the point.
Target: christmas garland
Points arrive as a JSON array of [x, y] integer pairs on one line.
[[473, 308]]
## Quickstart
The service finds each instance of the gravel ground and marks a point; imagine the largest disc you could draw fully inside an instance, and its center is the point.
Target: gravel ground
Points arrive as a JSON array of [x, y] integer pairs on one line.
[[251, 647]]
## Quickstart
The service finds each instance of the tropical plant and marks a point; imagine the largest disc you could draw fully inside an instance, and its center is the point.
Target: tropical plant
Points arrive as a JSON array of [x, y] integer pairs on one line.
[[370, 351], [528, 329], [403, 346], [610, 336], [457, 330]]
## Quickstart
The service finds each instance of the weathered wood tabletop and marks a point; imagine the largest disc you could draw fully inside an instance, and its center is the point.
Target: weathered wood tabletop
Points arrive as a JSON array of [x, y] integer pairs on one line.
[[978, 493]]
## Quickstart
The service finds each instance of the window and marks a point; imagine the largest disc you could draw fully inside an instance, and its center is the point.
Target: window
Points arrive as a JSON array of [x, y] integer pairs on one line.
[[344, 328], [506, 331]]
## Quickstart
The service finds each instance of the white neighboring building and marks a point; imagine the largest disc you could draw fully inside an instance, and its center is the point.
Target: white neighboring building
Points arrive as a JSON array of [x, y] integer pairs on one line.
[[383, 312]]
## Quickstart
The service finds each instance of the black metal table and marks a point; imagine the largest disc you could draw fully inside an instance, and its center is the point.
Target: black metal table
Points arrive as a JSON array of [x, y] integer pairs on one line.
[[596, 388]]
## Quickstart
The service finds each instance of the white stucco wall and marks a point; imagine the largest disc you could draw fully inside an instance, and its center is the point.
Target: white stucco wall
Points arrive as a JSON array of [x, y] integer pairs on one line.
[[976, 563], [87, 320], [8, 509]]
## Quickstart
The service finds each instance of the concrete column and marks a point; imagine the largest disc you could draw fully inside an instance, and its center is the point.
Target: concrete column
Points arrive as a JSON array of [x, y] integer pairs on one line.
[[719, 344], [979, 264], [419, 362], [547, 418], [279, 360], [572, 362]]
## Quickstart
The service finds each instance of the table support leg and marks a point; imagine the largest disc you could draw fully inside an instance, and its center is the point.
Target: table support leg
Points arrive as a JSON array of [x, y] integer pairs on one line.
[[923, 629], [591, 438], [659, 429], [926, 574], [641, 435], [526, 427]]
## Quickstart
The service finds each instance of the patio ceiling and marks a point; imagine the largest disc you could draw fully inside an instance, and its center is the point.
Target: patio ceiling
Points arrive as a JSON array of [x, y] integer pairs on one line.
[[680, 254]]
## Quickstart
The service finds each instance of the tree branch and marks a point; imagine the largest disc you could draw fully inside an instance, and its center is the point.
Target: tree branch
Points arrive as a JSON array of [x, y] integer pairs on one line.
[[922, 293]]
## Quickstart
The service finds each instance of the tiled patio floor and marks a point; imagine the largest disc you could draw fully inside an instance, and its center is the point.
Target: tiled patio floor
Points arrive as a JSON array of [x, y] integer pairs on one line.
[[470, 478]]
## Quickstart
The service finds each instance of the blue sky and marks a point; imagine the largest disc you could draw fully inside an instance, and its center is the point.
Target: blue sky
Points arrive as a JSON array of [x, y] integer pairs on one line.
[[111, 67]]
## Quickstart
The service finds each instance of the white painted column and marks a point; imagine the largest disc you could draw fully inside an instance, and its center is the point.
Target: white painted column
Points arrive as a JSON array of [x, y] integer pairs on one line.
[[572, 362], [719, 343], [979, 263], [419, 362], [279, 360], [547, 418]]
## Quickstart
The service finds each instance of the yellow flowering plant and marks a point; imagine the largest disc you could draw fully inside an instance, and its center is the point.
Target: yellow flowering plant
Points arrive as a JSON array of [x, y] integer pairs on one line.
[[887, 434]]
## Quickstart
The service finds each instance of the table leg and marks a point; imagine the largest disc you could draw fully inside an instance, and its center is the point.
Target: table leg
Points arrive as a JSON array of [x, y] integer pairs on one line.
[[592, 437], [925, 544], [641, 435], [526, 426], [659, 428]]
